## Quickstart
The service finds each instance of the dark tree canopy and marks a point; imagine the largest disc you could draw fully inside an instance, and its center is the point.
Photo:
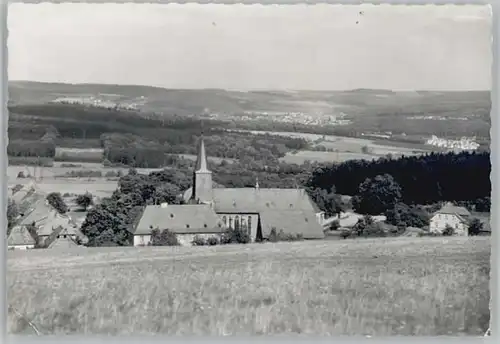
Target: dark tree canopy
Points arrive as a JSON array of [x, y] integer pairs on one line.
[[56, 200], [424, 179], [84, 200], [377, 195]]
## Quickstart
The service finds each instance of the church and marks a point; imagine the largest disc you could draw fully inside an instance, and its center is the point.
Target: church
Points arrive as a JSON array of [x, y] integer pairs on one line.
[[208, 211]]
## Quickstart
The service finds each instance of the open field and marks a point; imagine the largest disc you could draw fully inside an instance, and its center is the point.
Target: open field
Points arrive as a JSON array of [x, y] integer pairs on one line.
[[62, 168], [346, 148], [301, 156], [79, 154], [403, 286], [214, 159]]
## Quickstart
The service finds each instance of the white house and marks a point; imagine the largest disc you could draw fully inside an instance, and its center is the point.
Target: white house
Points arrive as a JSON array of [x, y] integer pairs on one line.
[[453, 216]]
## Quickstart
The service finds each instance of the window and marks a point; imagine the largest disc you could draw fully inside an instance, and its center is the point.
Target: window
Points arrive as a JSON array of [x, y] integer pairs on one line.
[[243, 223], [237, 222], [205, 225], [231, 222], [187, 226], [171, 215], [224, 219], [249, 224]]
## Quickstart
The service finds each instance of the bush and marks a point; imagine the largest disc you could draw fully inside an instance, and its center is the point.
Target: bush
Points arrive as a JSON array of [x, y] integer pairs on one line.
[[235, 236], [448, 231], [165, 238], [212, 241], [402, 215], [475, 227], [55, 200], [374, 230], [83, 174], [71, 165], [84, 200], [199, 241], [276, 236]]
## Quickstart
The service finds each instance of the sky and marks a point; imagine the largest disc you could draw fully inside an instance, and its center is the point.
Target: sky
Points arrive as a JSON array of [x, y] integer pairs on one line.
[[245, 47]]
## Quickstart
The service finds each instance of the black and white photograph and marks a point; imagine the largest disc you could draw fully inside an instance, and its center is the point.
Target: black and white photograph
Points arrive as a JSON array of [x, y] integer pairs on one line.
[[235, 170]]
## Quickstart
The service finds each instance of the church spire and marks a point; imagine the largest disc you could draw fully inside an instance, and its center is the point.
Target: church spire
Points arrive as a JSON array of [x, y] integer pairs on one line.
[[201, 161]]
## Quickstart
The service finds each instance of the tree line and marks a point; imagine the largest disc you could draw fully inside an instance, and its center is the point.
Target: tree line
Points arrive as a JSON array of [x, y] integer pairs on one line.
[[425, 179]]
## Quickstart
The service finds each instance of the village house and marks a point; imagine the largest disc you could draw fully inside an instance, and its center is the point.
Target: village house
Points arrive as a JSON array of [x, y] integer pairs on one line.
[[47, 222], [20, 239], [209, 211], [453, 216]]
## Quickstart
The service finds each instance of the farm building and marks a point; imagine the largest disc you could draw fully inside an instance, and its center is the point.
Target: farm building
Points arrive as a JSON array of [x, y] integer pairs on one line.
[[210, 210], [47, 221], [453, 216], [20, 239]]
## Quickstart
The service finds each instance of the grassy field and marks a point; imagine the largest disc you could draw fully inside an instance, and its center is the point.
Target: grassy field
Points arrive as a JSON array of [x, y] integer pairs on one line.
[[345, 148], [79, 154], [404, 286], [301, 156]]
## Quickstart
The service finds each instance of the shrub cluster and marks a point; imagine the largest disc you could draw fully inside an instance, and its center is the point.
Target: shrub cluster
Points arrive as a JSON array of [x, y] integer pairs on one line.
[[276, 236], [201, 241], [163, 238]]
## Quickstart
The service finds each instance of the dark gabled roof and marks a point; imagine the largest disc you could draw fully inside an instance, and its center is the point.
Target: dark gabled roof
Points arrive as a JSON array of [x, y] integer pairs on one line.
[[450, 208], [20, 236], [181, 219], [253, 200], [291, 222]]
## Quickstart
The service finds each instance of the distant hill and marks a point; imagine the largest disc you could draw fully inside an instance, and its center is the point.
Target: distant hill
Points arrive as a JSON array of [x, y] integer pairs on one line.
[[359, 102]]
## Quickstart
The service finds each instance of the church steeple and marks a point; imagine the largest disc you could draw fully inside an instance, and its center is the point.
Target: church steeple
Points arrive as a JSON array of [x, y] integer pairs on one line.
[[201, 161], [202, 177]]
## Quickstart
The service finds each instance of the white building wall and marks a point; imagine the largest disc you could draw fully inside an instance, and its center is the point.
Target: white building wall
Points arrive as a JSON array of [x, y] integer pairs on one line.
[[142, 240], [184, 239], [21, 247], [439, 222], [187, 239]]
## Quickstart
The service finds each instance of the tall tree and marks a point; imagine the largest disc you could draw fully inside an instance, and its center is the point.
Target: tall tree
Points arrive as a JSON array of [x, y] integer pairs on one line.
[[377, 195]]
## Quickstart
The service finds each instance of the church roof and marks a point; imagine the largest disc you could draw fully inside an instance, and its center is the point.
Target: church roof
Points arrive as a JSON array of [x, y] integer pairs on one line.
[[181, 219], [253, 200], [291, 222]]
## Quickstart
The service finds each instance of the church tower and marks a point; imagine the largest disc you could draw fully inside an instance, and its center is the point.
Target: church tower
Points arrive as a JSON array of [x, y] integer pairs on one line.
[[202, 178]]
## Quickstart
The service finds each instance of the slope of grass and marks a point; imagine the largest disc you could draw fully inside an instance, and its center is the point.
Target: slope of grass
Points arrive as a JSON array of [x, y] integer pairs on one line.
[[405, 286]]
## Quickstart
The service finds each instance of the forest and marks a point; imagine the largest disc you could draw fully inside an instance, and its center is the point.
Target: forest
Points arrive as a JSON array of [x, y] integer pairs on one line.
[[134, 139]]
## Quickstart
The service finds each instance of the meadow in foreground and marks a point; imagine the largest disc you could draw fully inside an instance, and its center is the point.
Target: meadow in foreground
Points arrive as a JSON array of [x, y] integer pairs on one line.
[[403, 286]]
